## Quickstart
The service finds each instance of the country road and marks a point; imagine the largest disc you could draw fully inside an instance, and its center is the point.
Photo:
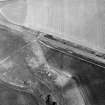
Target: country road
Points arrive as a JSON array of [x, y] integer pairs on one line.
[[80, 21]]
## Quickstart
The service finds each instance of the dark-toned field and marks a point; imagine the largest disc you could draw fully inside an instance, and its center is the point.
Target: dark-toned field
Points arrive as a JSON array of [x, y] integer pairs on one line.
[[30, 73]]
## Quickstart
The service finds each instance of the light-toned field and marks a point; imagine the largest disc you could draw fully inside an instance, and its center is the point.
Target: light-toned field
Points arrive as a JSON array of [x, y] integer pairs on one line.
[[81, 21]]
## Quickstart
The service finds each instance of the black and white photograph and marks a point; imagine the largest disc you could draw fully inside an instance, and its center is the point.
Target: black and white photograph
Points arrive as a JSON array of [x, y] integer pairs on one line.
[[52, 52]]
